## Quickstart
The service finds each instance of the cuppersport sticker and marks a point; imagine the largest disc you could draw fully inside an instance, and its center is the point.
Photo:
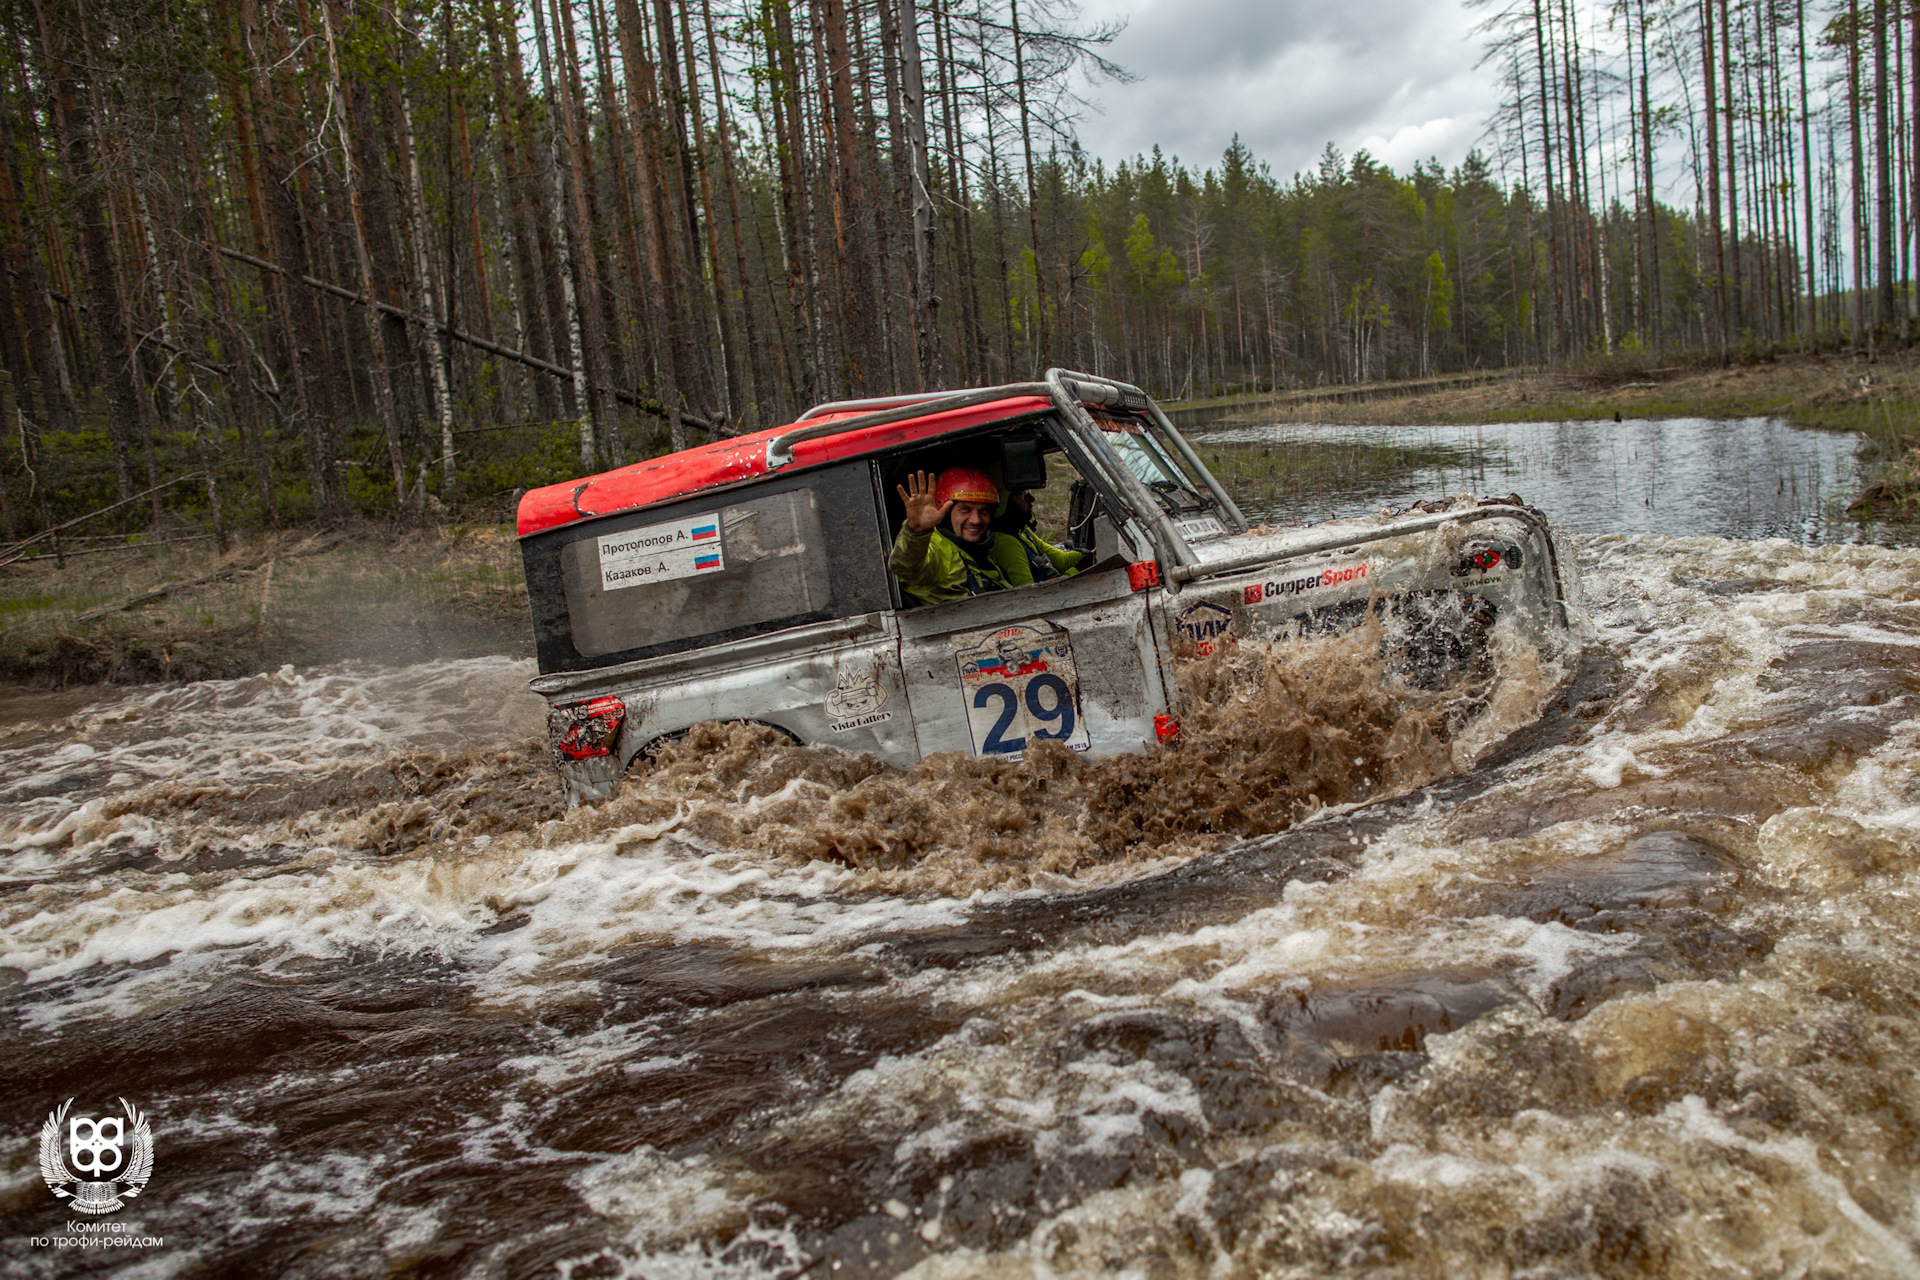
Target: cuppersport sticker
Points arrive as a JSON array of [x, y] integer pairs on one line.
[[1339, 575]]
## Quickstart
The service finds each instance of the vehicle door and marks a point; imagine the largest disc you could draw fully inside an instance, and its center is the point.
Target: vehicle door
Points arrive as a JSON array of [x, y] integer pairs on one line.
[[1071, 661]]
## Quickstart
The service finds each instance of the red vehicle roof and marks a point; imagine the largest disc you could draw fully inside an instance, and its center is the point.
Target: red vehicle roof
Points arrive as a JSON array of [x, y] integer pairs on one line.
[[725, 462]]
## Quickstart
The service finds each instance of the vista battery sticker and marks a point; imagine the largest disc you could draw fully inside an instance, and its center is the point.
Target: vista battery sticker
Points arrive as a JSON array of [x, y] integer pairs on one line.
[[858, 701], [658, 552], [1020, 686]]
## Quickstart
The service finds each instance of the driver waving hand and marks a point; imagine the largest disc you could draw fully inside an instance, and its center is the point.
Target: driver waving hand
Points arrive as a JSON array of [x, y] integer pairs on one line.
[[947, 548]]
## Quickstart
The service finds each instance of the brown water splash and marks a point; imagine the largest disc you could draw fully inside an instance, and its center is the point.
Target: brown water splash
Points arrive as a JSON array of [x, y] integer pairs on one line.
[[1271, 734]]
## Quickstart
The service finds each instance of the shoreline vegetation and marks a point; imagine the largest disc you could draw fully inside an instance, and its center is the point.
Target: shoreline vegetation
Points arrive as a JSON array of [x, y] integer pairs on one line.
[[166, 604]]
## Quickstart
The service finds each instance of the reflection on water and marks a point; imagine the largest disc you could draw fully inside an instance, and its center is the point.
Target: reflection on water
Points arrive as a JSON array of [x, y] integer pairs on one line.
[[1745, 478]]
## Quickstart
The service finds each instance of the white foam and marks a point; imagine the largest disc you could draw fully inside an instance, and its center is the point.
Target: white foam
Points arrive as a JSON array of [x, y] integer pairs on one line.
[[89, 937], [1799, 1158]]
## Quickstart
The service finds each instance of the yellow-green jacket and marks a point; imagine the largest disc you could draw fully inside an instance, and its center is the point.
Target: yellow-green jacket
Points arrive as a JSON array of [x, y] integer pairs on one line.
[[933, 569], [1041, 553]]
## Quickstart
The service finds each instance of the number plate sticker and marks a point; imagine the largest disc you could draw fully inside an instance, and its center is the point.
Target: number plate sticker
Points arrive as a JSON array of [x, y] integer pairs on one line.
[[1020, 686]]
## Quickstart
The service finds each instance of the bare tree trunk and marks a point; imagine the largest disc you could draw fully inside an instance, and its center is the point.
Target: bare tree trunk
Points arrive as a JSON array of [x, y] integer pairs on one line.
[[583, 393], [1882, 167], [1005, 301], [605, 332], [232, 336], [849, 194], [30, 277], [722, 326], [1859, 179], [1735, 317], [629, 320], [814, 112], [107, 320], [754, 382], [660, 298], [681, 209], [186, 385], [1654, 291], [376, 338], [1806, 155], [1712, 162], [515, 123], [480, 309], [1579, 194], [784, 68], [973, 329], [429, 304], [575, 152], [913, 105], [275, 228], [1042, 287], [1554, 314], [791, 355]]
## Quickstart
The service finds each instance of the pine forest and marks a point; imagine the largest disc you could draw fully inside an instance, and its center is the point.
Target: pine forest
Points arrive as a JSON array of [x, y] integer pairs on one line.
[[274, 261]]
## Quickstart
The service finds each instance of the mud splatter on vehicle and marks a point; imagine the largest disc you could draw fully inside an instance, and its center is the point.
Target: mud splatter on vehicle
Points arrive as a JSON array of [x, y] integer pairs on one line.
[[750, 581]]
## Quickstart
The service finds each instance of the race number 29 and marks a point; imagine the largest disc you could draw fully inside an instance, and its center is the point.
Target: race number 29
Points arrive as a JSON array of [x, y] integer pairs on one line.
[[1020, 687]]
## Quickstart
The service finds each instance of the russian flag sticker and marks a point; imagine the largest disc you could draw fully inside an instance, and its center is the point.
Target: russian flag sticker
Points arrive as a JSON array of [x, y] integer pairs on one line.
[[705, 531], [706, 562]]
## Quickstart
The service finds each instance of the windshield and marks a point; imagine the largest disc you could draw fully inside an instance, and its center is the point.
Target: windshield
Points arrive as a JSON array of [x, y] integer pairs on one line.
[[1141, 454]]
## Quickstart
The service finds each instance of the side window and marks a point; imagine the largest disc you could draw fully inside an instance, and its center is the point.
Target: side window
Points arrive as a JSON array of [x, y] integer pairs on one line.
[[1040, 487], [704, 573], [801, 548]]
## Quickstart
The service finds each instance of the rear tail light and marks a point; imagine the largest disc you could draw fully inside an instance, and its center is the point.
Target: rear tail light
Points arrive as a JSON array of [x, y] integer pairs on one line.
[[1166, 728], [1142, 574], [586, 729]]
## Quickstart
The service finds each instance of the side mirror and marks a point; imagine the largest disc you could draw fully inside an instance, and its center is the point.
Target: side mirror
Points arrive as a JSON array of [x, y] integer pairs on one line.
[[1022, 464]]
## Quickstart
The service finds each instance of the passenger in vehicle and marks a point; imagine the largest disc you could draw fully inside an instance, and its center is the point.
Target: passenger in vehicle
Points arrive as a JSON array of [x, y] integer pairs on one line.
[[947, 549], [1046, 560]]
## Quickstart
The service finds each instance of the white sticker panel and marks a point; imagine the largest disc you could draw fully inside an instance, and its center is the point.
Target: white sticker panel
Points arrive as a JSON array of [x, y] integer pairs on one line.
[[686, 548], [1200, 528], [1020, 685]]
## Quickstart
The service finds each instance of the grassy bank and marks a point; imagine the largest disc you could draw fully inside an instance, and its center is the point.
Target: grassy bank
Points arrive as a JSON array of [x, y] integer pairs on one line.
[[308, 598]]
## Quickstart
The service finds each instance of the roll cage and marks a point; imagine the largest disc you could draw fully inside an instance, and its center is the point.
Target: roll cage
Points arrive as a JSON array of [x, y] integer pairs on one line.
[[1130, 497]]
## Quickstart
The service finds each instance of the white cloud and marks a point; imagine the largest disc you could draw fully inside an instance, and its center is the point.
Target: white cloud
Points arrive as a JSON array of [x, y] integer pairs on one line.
[[1413, 143], [1397, 77]]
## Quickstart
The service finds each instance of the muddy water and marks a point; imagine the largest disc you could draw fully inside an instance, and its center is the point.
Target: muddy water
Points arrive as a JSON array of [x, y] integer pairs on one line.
[[1629, 990]]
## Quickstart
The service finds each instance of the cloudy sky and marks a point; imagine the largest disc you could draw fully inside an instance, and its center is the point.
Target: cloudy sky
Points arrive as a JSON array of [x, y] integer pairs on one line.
[[1394, 76]]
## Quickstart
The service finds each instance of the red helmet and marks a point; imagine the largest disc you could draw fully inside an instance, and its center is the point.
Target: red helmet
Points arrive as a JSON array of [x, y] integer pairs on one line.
[[965, 484]]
